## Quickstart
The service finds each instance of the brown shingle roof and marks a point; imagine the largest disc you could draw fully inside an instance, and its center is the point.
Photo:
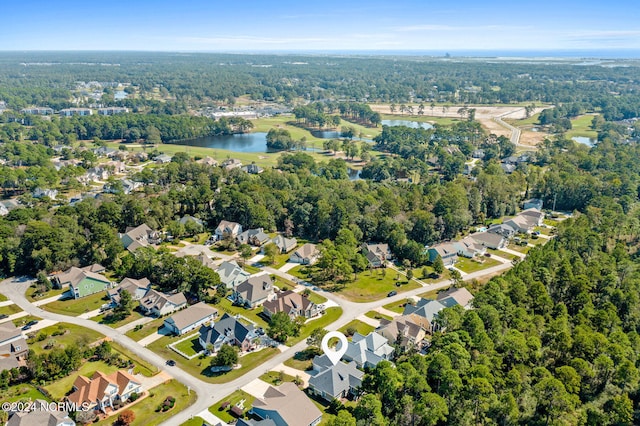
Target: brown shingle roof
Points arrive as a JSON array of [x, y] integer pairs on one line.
[[290, 403]]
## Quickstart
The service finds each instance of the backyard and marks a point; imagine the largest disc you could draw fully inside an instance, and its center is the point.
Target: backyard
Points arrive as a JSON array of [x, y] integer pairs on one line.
[[356, 325], [237, 396], [146, 330]]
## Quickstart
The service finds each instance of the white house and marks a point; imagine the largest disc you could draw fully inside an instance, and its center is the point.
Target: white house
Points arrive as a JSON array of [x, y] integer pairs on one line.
[[191, 318]]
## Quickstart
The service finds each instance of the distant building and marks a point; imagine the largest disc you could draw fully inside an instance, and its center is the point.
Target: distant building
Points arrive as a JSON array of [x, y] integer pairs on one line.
[[409, 329], [367, 351], [252, 169], [163, 158], [377, 254], [136, 288], [112, 110], [447, 251], [227, 229], [533, 203], [255, 237], [232, 275], [140, 236], [37, 111], [285, 245], [231, 163], [70, 112], [41, 192], [456, 296]]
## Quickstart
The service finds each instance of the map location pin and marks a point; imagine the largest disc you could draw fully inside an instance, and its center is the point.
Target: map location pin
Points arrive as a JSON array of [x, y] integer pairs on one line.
[[334, 355]]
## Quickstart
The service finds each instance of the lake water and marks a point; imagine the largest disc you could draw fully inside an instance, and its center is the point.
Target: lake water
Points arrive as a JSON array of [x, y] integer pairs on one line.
[[244, 142], [584, 140], [407, 123]]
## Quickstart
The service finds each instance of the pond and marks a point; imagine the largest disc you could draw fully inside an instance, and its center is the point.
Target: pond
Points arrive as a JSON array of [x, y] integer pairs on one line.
[[244, 142], [585, 140], [407, 123]]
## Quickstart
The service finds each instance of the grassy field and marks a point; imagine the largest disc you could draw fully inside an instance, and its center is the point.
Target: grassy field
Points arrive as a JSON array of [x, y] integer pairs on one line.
[[146, 330], [190, 347], [396, 306], [145, 409], [473, 265], [377, 315], [33, 296], [73, 335], [75, 307], [233, 399], [104, 319], [316, 298], [519, 248], [331, 315], [10, 309], [359, 326], [373, 285], [581, 126], [196, 421], [276, 378], [141, 366], [59, 388], [502, 254]]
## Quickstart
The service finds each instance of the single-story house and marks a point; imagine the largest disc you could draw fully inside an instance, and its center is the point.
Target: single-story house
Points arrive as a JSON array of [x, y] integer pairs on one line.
[[468, 247], [489, 240], [533, 203], [256, 290], [522, 223], [191, 318], [45, 192], [231, 163], [456, 296], [208, 161], [292, 303], [228, 330], [286, 405], [231, 274], [255, 237], [82, 282], [369, 350], [187, 218], [163, 158], [227, 229], [136, 288], [503, 229], [447, 251], [285, 245], [158, 304], [252, 169], [534, 213], [102, 390], [381, 251], [305, 255], [13, 346], [337, 381]]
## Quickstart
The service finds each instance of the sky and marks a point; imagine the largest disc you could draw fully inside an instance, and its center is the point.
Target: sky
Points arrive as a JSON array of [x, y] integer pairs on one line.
[[325, 25]]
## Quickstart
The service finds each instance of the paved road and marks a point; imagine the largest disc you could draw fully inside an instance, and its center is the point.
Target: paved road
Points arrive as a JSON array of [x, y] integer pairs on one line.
[[209, 393], [515, 132]]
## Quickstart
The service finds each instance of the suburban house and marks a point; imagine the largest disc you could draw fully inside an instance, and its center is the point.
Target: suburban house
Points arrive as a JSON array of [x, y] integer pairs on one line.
[[191, 318], [305, 255], [140, 236], [39, 414], [102, 390], [252, 169], [447, 251], [489, 240], [158, 304], [380, 251], [205, 260], [44, 192], [331, 382], [536, 214], [508, 168], [128, 185], [286, 405], [503, 229], [227, 229], [163, 158], [256, 290], [292, 303], [228, 330], [232, 275], [231, 163], [533, 203], [255, 237], [478, 153], [426, 308], [136, 288], [251, 422], [522, 223], [410, 329], [285, 245], [82, 282], [187, 218], [105, 151], [208, 161], [13, 346], [456, 296], [468, 247], [369, 350]]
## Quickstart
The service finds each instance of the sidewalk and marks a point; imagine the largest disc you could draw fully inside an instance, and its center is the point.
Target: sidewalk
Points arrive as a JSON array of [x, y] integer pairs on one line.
[[14, 316], [372, 322], [513, 252], [130, 326], [150, 339], [49, 299]]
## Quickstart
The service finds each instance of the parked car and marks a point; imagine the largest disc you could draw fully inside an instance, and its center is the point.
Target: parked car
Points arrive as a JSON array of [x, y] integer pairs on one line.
[[3, 316], [26, 327], [32, 323], [171, 362], [392, 293]]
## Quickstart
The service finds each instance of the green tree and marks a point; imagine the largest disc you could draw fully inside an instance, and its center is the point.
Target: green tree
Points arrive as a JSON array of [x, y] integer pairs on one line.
[[438, 265], [227, 356], [344, 418], [281, 327]]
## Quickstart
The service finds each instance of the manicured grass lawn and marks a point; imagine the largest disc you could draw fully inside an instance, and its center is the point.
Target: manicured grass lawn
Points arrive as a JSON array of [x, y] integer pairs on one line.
[[396, 306], [300, 271], [199, 366], [19, 322], [276, 378], [545, 230], [33, 296], [146, 330], [10, 309], [473, 265], [59, 388], [420, 272], [283, 283], [581, 126], [73, 335], [538, 241], [225, 305], [106, 320], [279, 260], [502, 254], [145, 409], [359, 326], [519, 248], [21, 392], [3, 298], [331, 315], [251, 269], [141, 366], [377, 315], [430, 294], [232, 399], [316, 298], [190, 347], [302, 360], [533, 120], [372, 285], [75, 307], [196, 421]]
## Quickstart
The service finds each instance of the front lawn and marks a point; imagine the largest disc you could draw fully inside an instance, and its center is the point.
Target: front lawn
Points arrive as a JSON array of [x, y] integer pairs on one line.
[[375, 285], [195, 421], [59, 388], [146, 410], [10, 309], [377, 315], [63, 334], [303, 360], [223, 413], [146, 329], [19, 322], [276, 378], [32, 296], [75, 307], [519, 248], [107, 319], [475, 264], [396, 306], [503, 254], [316, 298], [330, 315], [141, 366], [357, 325]]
